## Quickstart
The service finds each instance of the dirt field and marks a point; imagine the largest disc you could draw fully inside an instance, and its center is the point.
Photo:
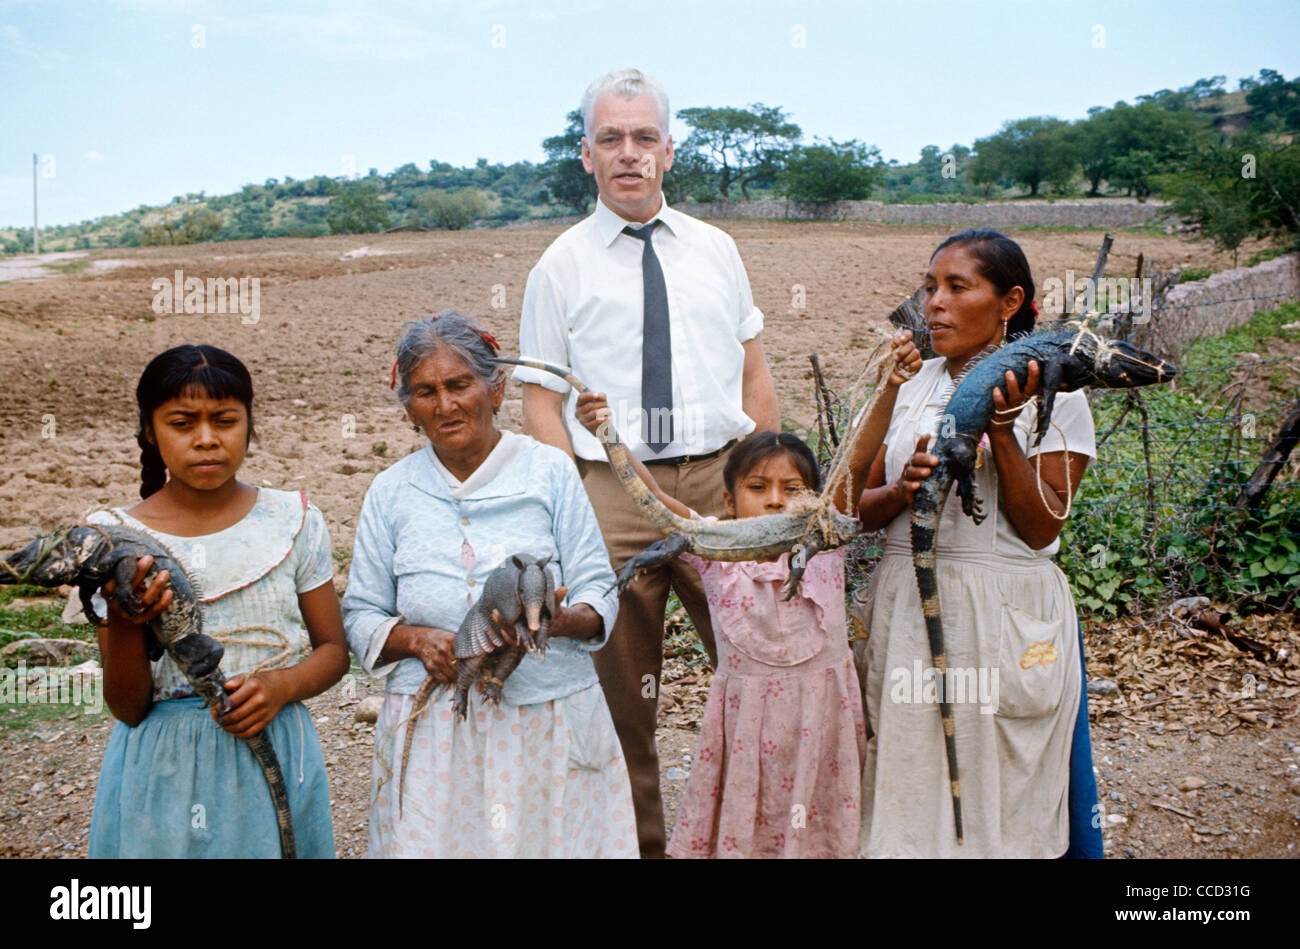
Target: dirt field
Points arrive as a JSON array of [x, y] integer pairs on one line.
[[320, 353]]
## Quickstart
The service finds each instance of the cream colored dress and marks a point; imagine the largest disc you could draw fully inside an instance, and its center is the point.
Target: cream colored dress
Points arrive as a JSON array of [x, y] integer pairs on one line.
[[1011, 636]]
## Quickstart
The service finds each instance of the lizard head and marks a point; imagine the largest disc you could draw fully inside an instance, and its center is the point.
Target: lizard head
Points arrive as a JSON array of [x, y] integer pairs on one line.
[[1116, 364], [48, 561], [1121, 365]]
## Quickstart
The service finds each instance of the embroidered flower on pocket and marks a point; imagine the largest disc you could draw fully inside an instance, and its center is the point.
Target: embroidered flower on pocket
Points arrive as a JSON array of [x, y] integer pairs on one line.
[[1039, 653]]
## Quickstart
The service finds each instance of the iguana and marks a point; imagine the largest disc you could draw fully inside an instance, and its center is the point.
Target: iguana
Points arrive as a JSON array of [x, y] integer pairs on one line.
[[90, 556], [1068, 359], [803, 531], [522, 591]]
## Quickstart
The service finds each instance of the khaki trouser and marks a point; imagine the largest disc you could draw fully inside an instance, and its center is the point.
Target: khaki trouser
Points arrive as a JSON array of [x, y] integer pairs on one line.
[[631, 662]]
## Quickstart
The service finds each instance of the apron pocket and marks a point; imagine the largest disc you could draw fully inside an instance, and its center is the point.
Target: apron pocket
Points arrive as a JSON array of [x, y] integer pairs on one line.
[[1031, 669]]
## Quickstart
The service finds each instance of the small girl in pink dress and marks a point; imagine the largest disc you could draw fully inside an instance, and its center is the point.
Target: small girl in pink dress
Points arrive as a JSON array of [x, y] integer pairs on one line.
[[778, 770]]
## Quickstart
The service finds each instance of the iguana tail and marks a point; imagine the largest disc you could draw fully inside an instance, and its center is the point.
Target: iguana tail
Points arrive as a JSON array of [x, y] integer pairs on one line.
[[927, 507], [264, 752], [417, 706]]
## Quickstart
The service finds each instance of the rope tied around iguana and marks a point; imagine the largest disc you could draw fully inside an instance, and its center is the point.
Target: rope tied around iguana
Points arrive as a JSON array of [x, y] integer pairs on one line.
[[840, 473]]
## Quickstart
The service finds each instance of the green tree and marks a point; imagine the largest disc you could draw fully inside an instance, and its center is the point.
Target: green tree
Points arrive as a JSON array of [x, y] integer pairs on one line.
[[1276, 101], [194, 226], [1091, 147], [450, 211], [358, 208], [835, 171], [566, 180], [691, 176], [1131, 146], [744, 145], [1231, 199], [1028, 151], [1275, 201]]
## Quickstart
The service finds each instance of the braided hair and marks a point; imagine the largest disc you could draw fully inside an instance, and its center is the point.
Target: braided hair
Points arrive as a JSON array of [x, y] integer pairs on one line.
[[183, 370]]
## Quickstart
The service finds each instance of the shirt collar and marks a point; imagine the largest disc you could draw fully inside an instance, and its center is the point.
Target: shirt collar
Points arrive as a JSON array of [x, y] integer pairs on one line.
[[609, 224], [495, 477]]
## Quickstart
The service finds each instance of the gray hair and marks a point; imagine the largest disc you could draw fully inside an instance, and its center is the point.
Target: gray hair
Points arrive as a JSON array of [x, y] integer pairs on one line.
[[422, 338], [628, 83]]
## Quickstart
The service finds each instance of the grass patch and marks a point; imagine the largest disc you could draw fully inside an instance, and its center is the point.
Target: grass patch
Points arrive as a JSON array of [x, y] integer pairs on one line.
[[1140, 535], [71, 266], [47, 717], [1249, 337], [37, 622], [682, 640], [1269, 253]]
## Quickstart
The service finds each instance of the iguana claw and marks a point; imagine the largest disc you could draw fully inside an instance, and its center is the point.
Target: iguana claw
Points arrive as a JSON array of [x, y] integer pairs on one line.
[[657, 553]]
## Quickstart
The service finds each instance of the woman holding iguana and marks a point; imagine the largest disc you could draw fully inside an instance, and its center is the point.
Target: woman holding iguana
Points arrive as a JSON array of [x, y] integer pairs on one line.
[[1010, 625]]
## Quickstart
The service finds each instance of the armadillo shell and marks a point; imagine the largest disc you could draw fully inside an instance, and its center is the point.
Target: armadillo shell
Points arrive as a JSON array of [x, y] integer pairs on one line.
[[473, 639]]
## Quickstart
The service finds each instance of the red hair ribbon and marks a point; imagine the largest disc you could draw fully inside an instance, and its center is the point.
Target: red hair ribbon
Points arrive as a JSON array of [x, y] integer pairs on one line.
[[1033, 305]]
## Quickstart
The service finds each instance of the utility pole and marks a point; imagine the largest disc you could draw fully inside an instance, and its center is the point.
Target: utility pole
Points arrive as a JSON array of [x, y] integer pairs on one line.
[[36, 229]]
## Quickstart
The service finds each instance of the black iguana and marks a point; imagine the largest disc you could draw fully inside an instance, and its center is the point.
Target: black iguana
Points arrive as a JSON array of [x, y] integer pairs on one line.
[[1068, 359], [90, 556]]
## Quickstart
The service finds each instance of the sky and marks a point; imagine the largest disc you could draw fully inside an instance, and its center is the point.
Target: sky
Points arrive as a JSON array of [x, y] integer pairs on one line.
[[131, 102]]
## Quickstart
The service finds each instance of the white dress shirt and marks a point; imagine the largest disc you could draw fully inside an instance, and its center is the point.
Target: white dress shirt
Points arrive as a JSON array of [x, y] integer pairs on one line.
[[583, 308]]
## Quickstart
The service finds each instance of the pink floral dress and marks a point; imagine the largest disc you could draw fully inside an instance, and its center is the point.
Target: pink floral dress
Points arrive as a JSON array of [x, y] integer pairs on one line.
[[778, 769]]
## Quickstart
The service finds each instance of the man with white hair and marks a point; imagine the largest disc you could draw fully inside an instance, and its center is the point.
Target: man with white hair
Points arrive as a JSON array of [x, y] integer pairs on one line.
[[652, 308]]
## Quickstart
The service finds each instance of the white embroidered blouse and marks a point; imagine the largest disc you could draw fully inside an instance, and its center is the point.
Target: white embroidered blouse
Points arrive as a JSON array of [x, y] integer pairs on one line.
[[248, 577]]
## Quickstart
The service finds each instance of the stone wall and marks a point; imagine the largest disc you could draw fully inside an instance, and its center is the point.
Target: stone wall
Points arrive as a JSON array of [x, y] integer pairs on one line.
[[1100, 213], [1218, 303]]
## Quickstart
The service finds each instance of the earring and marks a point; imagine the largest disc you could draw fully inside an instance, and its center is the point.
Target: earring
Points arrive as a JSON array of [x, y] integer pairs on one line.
[[1004, 329], [415, 428]]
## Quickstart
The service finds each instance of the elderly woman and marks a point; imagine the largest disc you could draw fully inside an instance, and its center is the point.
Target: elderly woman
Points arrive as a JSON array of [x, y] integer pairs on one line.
[[542, 775]]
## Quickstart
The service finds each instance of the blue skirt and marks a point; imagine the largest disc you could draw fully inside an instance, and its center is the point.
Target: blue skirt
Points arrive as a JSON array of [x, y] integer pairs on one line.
[[177, 785]]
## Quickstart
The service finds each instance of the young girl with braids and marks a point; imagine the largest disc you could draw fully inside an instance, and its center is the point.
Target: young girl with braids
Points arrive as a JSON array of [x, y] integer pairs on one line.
[[173, 783], [776, 772]]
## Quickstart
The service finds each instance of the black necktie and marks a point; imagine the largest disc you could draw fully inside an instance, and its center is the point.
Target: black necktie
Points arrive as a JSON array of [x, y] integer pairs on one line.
[[656, 347]]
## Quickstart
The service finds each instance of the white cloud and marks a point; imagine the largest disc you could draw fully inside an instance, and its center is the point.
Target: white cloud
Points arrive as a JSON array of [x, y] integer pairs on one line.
[[93, 155], [353, 31], [12, 39]]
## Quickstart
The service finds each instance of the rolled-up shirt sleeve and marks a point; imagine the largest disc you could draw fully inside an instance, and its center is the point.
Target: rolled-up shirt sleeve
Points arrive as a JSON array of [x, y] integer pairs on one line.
[[749, 316], [583, 555], [543, 331], [370, 603]]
